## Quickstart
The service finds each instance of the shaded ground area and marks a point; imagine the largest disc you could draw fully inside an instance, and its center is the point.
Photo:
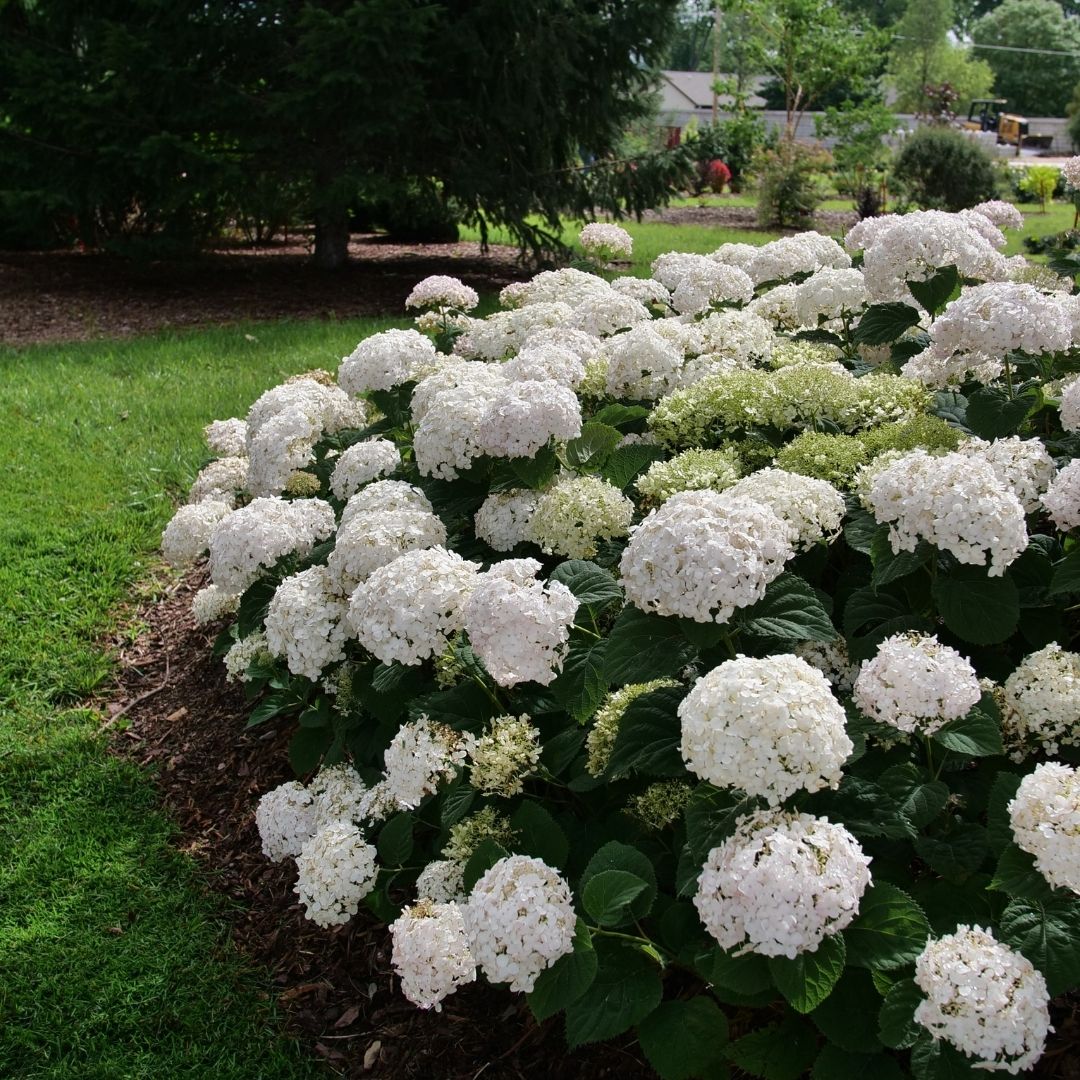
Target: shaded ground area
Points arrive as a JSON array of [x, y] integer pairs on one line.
[[70, 296], [829, 222], [337, 989]]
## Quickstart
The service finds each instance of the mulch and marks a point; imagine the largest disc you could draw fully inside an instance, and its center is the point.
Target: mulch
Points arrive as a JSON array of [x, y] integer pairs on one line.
[[172, 710]]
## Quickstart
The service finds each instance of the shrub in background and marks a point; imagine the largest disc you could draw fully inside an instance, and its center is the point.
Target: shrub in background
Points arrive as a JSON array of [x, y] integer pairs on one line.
[[789, 188], [940, 169]]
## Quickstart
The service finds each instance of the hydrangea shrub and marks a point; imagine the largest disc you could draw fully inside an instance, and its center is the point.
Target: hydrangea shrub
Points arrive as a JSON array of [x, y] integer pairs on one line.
[[667, 648]]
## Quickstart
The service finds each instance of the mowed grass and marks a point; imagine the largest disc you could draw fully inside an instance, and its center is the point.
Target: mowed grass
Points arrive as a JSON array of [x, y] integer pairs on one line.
[[114, 962]]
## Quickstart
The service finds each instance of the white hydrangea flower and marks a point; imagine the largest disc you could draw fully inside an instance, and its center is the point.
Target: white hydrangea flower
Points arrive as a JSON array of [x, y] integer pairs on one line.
[[1070, 169], [285, 818], [672, 266], [701, 557], [916, 684], [188, 534], [984, 998], [442, 880], [502, 521], [373, 538], [513, 295], [813, 508], [564, 286], [419, 757], [500, 759], [645, 290], [406, 610], [519, 919], [362, 462], [385, 360], [1022, 465], [522, 416], [953, 501], [608, 313], [1045, 820], [241, 654], [832, 660], [519, 626], [692, 470], [546, 363], [583, 346], [769, 726], [253, 538], [227, 438], [1070, 405], [1042, 701], [781, 884], [740, 336], [506, 332], [384, 497], [1000, 213], [220, 481], [212, 603], [642, 364], [1062, 497], [802, 253], [441, 291], [339, 794], [335, 871], [740, 255], [305, 623], [779, 307], [707, 283], [606, 242], [576, 512], [431, 952], [829, 294]]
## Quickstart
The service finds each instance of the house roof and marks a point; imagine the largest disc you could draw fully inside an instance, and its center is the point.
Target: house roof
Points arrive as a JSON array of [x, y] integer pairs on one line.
[[693, 90]]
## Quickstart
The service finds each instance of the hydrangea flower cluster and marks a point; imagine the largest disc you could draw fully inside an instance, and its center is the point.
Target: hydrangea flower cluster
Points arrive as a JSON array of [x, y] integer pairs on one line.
[[1045, 820], [606, 242], [1042, 701], [1062, 497], [501, 758], [362, 462], [570, 517], [335, 871], [305, 623], [984, 998], [781, 884], [431, 952]]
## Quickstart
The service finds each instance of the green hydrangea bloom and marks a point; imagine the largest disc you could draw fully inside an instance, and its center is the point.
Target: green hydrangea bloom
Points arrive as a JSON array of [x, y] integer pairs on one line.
[[692, 470], [835, 458]]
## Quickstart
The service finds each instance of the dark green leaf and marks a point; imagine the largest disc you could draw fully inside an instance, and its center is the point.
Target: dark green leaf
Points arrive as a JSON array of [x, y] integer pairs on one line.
[[776, 1052], [486, 855], [538, 834], [1048, 934], [891, 566], [974, 735], [918, 799], [836, 1064], [998, 827], [592, 446], [457, 800], [1066, 577], [626, 989], [992, 414], [866, 809], [395, 841], [683, 1039], [535, 472], [648, 738], [951, 407], [934, 293], [860, 530], [896, 1021], [808, 980], [617, 856], [582, 683], [643, 647], [608, 895], [847, 1017], [616, 415], [625, 463], [736, 978], [272, 705], [592, 585], [955, 854], [866, 607], [1017, 877], [882, 324], [889, 931], [936, 1059], [790, 610], [464, 707], [306, 748], [980, 609], [567, 979]]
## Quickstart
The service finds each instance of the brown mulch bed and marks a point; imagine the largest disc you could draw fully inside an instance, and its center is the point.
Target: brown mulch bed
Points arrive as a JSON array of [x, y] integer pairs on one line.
[[336, 988], [830, 222], [69, 296]]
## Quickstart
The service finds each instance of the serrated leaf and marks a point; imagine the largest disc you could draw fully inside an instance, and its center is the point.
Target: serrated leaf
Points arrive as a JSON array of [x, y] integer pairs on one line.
[[457, 799], [608, 895], [790, 610], [955, 854], [1048, 934], [535, 472], [647, 741], [808, 979], [934, 293], [395, 842], [936, 1059], [998, 826], [951, 407], [538, 834], [980, 609], [683, 1039], [617, 415], [643, 647], [594, 587], [918, 799], [974, 735], [465, 707], [847, 1016], [272, 705], [583, 682], [776, 1052], [747, 974], [866, 809], [626, 463], [882, 324], [866, 607], [625, 990], [833, 1063], [896, 1020], [992, 414], [567, 979], [1066, 575], [891, 566], [592, 446], [307, 747], [889, 931], [1017, 876], [617, 856], [860, 529]]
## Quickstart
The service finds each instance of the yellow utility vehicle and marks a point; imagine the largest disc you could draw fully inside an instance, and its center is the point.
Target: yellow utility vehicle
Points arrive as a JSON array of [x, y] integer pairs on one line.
[[988, 114]]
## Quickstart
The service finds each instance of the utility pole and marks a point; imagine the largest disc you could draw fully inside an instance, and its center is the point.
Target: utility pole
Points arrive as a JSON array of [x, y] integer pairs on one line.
[[718, 18]]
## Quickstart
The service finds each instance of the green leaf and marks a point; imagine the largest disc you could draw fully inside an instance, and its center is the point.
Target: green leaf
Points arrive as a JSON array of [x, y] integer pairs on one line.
[[535, 472], [776, 1052], [992, 414], [608, 896], [682, 1039], [538, 834], [808, 980], [1017, 877], [951, 407], [974, 735], [896, 1020], [643, 647], [955, 854], [1048, 934], [589, 450], [395, 843], [583, 682], [847, 1017], [272, 705], [936, 1059], [918, 799], [464, 707], [458, 797], [617, 856], [882, 324], [594, 587], [866, 607], [790, 610], [833, 1063], [627, 462], [889, 931], [866, 809], [306, 748], [1066, 577], [617, 415], [892, 566], [626, 989], [649, 734], [486, 855], [746, 975], [998, 826], [980, 609], [935, 292], [860, 530], [567, 979]]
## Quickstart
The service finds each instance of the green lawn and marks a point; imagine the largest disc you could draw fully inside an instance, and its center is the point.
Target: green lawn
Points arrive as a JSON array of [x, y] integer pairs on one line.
[[113, 957]]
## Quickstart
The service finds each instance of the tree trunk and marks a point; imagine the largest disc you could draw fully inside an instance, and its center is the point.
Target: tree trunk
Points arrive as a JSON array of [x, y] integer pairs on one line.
[[332, 238]]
